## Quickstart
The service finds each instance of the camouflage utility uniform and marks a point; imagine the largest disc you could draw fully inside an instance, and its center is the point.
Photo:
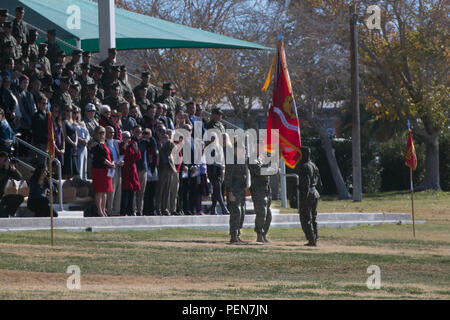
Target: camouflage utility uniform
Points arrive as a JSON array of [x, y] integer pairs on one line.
[[235, 182], [309, 196], [262, 198]]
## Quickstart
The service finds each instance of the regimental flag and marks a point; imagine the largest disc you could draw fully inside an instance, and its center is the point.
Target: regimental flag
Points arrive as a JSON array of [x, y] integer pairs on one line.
[[51, 137], [283, 112], [410, 154]]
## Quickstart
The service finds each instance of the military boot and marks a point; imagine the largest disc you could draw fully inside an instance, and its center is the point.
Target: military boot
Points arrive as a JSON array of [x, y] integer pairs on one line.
[[265, 238], [259, 237], [234, 238]]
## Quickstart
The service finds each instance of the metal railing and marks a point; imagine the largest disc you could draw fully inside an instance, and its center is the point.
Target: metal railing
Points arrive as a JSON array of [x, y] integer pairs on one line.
[[45, 155]]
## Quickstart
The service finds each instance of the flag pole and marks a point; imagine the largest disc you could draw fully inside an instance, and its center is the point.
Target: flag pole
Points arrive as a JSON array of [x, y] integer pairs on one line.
[[51, 197], [412, 200]]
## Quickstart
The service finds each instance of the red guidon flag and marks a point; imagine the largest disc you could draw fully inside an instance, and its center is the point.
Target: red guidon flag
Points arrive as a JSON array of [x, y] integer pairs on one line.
[[51, 137], [283, 112], [410, 154]]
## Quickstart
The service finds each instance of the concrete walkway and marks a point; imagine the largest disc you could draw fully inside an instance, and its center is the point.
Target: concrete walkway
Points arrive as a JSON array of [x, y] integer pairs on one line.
[[73, 221]]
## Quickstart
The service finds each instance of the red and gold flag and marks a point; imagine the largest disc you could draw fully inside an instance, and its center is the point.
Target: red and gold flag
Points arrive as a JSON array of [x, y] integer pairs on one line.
[[410, 154], [51, 137], [283, 112]]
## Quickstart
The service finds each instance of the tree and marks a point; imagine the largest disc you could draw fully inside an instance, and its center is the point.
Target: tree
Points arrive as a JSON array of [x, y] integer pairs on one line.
[[317, 54], [406, 72], [211, 76]]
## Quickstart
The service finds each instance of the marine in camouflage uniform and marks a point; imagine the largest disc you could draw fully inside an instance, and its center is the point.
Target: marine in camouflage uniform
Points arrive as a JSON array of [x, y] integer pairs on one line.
[[43, 60], [6, 37], [215, 122], [31, 40], [52, 46], [309, 196], [235, 183], [262, 198], [168, 100], [18, 25], [74, 64]]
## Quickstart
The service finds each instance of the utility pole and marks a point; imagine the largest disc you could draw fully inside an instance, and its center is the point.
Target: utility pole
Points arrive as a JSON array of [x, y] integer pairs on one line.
[[356, 133]]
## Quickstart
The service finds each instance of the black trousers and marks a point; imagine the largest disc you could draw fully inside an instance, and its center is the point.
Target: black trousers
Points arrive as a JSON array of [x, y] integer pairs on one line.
[[40, 207], [126, 205], [149, 198], [9, 204], [183, 196]]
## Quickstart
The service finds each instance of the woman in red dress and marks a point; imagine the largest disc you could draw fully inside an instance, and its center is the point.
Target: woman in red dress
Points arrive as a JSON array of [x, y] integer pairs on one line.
[[101, 163], [130, 180]]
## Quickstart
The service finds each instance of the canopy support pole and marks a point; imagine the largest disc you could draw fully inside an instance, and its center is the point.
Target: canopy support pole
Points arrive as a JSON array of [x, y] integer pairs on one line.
[[106, 27]]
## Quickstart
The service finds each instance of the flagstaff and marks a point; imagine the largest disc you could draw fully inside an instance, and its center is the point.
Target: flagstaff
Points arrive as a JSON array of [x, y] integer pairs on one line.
[[411, 162]]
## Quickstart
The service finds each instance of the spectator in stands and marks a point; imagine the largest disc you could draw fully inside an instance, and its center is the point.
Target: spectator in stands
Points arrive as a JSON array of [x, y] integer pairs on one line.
[[114, 198], [106, 120], [101, 163], [167, 99], [70, 168], [149, 120], [90, 98], [108, 63], [201, 181], [89, 118], [10, 202], [115, 116], [152, 174], [9, 102], [166, 169], [83, 139], [198, 116], [113, 100], [128, 122], [141, 98], [161, 110], [48, 92], [130, 180], [184, 190], [136, 114], [181, 118], [7, 135], [59, 134], [145, 147], [38, 201], [151, 90], [39, 123], [27, 108]]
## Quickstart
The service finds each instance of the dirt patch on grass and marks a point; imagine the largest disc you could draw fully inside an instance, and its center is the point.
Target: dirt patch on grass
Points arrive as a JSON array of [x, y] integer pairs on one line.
[[28, 251], [23, 284], [323, 246]]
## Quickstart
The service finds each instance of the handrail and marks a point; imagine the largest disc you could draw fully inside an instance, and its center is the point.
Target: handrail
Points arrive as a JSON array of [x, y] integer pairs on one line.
[[58, 164]]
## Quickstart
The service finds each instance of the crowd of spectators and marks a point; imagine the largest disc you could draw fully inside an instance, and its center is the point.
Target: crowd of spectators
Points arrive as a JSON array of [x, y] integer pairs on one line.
[[104, 129]]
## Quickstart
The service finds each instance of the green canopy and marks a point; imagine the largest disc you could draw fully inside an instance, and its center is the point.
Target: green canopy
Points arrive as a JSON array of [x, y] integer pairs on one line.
[[133, 31]]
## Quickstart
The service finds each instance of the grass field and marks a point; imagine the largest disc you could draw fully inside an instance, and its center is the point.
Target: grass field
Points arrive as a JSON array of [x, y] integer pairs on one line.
[[200, 264]]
